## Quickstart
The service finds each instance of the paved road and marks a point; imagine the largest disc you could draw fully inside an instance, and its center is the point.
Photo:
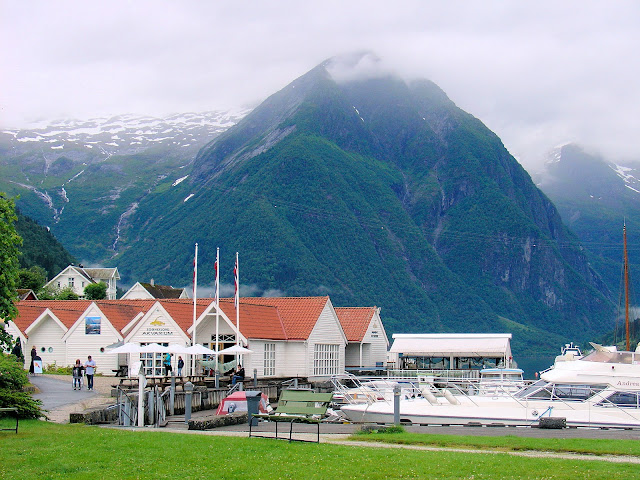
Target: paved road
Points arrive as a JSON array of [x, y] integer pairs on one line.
[[55, 393]]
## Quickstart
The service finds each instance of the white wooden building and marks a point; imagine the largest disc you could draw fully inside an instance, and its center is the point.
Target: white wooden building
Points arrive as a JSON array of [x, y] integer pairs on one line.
[[78, 277], [368, 343], [288, 336]]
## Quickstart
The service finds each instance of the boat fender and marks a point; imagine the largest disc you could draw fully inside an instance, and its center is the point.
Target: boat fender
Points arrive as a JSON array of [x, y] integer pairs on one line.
[[429, 396], [449, 396]]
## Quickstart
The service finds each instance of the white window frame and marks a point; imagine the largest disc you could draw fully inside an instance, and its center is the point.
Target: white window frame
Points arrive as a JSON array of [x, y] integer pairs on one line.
[[152, 362], [326, 359], [269, 360]]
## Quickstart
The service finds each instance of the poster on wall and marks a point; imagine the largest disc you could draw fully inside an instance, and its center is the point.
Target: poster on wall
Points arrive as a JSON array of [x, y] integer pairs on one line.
[[92, 325]]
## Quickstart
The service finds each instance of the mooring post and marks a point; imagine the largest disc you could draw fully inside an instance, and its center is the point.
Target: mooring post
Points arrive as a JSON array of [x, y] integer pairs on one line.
[[396, 405], [172, 395], [188, 394]]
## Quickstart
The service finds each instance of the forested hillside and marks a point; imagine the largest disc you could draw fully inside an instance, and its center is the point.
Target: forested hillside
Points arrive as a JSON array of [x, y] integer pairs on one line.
[[40, 248]]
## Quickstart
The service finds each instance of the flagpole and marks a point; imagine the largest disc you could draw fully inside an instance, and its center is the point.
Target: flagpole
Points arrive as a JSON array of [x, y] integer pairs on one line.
[[236, 272], [195, 294], [217, 303], [237, 301]]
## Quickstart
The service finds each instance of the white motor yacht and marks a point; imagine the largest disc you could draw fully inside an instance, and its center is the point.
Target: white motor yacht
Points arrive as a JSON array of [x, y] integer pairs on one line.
[[601, 389]]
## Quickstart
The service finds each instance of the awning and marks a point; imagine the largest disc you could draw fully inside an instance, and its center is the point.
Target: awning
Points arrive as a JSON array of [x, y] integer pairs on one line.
[[446, 345]]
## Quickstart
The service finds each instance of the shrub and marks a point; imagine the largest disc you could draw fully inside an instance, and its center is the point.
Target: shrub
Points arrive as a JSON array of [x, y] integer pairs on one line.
[[12, 375], [13, 378], [54, 369]]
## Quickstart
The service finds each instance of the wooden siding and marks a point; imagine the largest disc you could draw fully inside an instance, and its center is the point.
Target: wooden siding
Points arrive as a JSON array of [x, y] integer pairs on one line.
[[48, 334], [326, 331], [80, 345]]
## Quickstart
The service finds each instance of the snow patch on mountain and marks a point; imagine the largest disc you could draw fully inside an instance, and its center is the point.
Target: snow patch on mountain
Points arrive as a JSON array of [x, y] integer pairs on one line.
[[628, 175], [179, 181], [127, 133]]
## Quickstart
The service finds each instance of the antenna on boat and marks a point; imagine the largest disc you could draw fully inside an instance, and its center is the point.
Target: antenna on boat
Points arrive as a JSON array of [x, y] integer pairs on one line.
[[626, 285]]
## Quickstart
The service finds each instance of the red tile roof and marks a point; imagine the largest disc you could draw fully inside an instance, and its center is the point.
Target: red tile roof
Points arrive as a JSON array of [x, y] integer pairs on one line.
[[355, 321], [256, 321], [299, 314], [277, 318]]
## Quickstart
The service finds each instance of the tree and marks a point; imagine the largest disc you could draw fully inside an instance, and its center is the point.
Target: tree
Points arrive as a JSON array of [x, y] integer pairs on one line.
[[95, 291], [66, 293], [9, 242], [32, 278]]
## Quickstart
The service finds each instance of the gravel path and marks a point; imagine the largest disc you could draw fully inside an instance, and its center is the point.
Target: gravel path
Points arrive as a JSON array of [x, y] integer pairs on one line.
[[60, 400]]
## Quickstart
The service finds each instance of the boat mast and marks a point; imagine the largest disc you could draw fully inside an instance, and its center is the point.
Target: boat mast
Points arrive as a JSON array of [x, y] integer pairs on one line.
[[626, 286]]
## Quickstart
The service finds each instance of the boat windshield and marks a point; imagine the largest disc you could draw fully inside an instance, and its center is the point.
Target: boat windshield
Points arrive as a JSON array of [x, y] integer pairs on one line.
[[621, 399], [542, 390], [534, 387], [612, 357]]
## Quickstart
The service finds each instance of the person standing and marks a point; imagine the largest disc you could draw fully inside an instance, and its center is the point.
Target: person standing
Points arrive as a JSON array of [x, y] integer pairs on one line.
[[180, 365], [167, 364], [90, 370], [34, 354], [77, 372]]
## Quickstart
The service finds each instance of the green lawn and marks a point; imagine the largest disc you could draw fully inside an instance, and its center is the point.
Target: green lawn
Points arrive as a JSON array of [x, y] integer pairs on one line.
[[509, 443], [45, 450]]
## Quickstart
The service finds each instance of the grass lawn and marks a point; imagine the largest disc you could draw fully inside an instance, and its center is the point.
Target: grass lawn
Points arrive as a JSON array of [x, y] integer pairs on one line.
[[46, 450], [508, 443]]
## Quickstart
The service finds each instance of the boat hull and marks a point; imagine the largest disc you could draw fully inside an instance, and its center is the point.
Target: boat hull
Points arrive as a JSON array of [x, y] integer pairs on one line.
[[499, 412]]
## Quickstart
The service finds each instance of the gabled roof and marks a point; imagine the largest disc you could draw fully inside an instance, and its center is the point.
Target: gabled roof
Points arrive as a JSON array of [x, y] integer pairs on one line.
[[355, 321], [256, 321], [99, 273], [67, 311], [299, 314], [26, 294], [162, 291]]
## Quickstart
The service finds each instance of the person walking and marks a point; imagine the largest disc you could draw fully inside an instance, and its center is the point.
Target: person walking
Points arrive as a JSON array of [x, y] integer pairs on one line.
[[180, 365], [90, 370], [77, 373]]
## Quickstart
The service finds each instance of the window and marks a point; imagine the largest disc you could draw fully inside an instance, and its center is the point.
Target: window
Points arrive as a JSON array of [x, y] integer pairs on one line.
[[152, 362], [71, 281], [269, 366], [621, 399], [326, 359]]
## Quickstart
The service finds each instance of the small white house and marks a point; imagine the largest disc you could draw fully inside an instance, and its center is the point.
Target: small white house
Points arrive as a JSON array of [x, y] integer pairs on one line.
[[78, 277], [368, 341]]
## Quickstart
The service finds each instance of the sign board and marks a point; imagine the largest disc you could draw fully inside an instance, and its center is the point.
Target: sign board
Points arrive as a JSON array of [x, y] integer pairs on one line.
[[37, 366]]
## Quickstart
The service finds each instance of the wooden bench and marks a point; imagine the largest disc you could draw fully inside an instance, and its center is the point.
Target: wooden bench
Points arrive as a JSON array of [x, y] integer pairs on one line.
[[296, 406], [15, 411]]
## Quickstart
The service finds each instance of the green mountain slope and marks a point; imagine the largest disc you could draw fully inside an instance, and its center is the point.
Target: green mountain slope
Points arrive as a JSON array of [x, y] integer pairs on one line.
[[377, 191], [40, 248]]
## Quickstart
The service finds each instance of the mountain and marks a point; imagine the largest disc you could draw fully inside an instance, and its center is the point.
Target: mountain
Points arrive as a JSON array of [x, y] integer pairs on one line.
[[40, 248], [595, 197], [83, 179], [378, 191]]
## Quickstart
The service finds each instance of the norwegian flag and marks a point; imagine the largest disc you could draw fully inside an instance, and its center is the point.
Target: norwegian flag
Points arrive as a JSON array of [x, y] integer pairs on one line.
[[237, 282]]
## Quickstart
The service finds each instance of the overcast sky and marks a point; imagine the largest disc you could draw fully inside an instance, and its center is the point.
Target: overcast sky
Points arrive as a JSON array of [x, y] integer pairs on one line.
[[537, 73]]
